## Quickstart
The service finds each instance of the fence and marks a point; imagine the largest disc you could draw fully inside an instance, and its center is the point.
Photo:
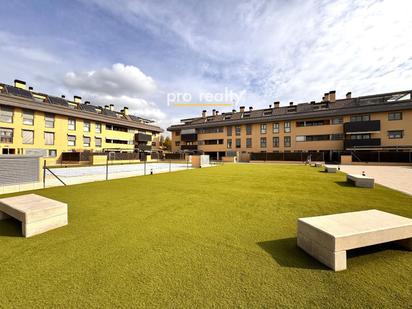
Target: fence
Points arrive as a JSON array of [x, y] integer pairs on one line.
[[287, 156], [382, 156]]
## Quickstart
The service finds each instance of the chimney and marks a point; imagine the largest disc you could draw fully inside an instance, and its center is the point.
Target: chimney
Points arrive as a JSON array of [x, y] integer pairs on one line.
[[30, 88], [312, 102], [106, 107], [290, 103], [349, 95], [242, 109], [276, 104], [125, 111], [77, 99], [251, 108], [63, 96], [233, 111], [20, 84], [203, 113], [111, 107], [332, 96], [217, 113], [270, 105], [87, 102], [213, 112], [326, 96]]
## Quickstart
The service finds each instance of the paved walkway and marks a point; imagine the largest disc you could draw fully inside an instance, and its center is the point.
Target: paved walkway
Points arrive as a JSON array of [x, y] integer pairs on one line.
[[395, 177]]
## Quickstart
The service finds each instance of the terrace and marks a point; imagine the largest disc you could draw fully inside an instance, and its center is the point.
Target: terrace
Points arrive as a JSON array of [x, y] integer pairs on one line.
[[216, 237]]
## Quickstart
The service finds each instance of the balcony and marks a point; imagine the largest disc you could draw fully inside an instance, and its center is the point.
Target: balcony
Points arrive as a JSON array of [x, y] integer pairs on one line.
[[362, 126], [188, 137], [144, 147], [141, 137], [362, 143], [188, 147]]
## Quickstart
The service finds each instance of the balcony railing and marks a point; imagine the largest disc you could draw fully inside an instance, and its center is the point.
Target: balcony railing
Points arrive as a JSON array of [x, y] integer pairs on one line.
[[188, 137], [143, 147], [362, 126], [141, 137], [188, 147], [362, 143]]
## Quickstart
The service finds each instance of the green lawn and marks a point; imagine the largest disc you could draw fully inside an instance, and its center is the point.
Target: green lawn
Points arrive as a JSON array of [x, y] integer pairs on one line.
[[216, 237]]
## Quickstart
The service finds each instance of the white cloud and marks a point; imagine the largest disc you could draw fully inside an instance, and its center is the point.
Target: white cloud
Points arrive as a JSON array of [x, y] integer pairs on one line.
[[121, 85], [138, 106], [118, 80]]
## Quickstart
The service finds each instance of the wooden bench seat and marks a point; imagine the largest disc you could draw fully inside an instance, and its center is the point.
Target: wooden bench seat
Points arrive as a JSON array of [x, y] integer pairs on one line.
[[327, 238], [37, 214], [360, 180]]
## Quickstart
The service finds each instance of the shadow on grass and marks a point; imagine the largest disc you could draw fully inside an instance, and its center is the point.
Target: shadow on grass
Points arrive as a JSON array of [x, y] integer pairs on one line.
[[287, 254], [374, 249], [10, 228], [344, 184]]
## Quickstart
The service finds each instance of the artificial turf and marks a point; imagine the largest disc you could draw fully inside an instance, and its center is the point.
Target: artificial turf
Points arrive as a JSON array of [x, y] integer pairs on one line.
[[215, 237]]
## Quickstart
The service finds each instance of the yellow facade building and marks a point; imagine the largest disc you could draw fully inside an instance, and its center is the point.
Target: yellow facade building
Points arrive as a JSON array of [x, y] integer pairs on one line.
[[56, 128], [373, 123]]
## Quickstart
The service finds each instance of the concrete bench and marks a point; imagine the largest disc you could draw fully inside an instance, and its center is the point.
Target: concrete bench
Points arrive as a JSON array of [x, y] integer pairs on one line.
[[331, 169], [316, 164], [37, 214], [327, 238], [361, 181]]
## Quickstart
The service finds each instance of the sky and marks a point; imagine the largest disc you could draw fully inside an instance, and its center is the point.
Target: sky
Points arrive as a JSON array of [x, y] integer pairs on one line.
[[159, 57]]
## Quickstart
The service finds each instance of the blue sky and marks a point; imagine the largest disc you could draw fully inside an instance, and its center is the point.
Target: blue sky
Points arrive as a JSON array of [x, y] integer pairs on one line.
[[133, 53]]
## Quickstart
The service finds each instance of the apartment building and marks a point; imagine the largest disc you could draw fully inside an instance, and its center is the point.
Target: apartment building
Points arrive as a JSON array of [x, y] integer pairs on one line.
[[36, 123], [381, 122]]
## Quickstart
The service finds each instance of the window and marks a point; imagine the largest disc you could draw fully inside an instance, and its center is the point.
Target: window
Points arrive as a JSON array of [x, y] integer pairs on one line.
[[237, 130], [337, 136], [355, 118], [6, 135], [263, 142], [71, 140], [248, 142], [6, 114], [337, 120], [229, 143], [49, 121], [395, 116], [48, 138], [287, 127], [52, 153], [238, 144], [313, 123], [313, 138], [72, 124], [98, 142], [276, 127], [248, 129], [360, 136], [287, 141], [86, 141], [395, 134], [229, 131], [276, 141], [86, 126], [27, 136], [300, 138], [177, 143], [211, 130], [98, 128], [28, 118], [263, 128]]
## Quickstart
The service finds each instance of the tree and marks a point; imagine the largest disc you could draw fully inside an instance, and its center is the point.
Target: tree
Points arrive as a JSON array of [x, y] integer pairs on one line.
[[167, 143]]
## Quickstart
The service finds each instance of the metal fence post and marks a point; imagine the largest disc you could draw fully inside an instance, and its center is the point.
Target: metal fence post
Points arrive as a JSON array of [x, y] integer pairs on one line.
[[44, 174], [107, 167], [144, 166]]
